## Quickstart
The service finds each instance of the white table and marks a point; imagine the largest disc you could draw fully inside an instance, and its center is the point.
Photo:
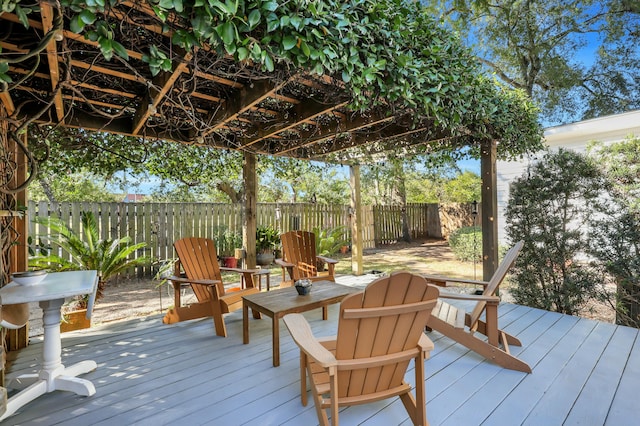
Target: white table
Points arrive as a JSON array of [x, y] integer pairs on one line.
[[51, 294]]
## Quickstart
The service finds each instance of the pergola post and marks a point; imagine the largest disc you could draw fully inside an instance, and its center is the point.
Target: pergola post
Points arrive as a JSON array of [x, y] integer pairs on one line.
[[13, 232], [488, 157], [356, 221], [250, 177]]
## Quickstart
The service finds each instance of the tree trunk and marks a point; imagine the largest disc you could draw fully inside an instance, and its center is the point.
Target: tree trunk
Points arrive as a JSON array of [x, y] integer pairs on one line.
[[46, 188]]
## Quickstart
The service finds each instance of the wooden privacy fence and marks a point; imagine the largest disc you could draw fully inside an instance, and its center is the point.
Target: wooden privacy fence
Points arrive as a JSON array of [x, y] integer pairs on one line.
[[423, 221], [160, 224]]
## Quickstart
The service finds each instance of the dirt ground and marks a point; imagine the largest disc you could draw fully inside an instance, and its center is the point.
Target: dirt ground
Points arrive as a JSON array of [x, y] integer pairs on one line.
[[130, 298]]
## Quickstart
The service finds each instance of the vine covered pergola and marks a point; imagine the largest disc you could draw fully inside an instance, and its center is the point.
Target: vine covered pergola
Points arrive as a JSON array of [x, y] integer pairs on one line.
[[335, 81]]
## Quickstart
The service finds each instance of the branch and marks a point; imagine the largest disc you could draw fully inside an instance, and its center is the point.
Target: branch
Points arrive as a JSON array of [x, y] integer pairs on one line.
[[501, 74]]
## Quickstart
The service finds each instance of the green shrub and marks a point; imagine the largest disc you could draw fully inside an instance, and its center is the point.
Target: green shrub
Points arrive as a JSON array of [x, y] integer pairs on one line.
[[466, 243], [329, 241], [551, 208]]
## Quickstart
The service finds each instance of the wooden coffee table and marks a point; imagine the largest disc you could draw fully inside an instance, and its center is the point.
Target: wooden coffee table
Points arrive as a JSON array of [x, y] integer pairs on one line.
[[277, 303]]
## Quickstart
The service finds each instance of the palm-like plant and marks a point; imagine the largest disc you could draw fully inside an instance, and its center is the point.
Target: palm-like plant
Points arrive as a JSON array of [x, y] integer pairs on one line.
[[87, 251]]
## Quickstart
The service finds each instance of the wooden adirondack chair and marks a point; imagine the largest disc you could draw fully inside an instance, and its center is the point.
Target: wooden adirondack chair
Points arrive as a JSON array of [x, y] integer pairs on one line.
[[199, 259], [299, 259], [379, 331], [465, 327]]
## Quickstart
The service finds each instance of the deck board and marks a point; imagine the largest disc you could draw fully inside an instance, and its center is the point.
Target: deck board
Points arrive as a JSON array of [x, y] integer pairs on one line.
[[625, 407], [592, 405], [520, 402], [154, 374]]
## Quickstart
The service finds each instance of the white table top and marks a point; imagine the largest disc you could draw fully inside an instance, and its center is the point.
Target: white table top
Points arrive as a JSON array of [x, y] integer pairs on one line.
[[56, 285]]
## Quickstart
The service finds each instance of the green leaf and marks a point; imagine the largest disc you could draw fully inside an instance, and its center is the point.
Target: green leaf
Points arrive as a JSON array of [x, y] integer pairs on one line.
[[228, 33], [232, 6], [8, 6], [230, 48], [87, 16], [76, 25], [268, 63], [177, 4], [243, 53], [271, 6], [296, 21], [272, 25], [220, 6], [120, 50], [106, 47], [22, 15], [289, 42], [305, 49], [256, 51], [254, 18]]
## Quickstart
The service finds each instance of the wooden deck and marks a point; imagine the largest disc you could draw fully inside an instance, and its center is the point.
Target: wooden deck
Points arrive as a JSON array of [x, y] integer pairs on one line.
[[584, 372]]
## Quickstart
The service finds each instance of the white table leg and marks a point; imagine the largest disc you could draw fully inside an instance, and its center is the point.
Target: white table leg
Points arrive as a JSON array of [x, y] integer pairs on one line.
[[53, 375], [25, 396]]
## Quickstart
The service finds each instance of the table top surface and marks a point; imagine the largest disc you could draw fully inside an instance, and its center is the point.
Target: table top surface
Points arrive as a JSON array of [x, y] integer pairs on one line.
[[56, 285], [284, 299]]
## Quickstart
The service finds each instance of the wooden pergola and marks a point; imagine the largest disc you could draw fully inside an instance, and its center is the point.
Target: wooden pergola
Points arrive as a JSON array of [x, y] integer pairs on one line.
[[61, 78]]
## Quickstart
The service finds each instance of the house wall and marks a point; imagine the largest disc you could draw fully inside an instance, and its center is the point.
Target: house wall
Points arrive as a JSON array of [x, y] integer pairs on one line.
[[574, 136]]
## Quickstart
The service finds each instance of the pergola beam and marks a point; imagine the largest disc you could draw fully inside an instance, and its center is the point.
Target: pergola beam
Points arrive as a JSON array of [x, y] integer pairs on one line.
[[302, 113], [161, 84], [344, 126], [246, 99], [52, 57]]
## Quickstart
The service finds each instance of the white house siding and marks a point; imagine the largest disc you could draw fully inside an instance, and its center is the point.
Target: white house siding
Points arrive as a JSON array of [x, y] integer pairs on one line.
[[574, 136]]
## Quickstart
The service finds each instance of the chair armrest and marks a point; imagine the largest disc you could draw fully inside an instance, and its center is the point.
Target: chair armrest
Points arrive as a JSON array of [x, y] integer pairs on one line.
[[327, 259], [426, 345], [182, 280], [240, 271], [283, 263], [303, 336], [442, 281], [470, 297]]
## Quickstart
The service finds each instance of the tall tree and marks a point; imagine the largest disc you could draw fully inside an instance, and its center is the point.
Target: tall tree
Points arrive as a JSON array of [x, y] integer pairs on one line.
[[575, 58], [186, 168]]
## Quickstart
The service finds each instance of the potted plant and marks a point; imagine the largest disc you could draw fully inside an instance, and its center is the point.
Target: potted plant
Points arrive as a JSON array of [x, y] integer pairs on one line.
[[87, 252], [227, 242], [267, 239]]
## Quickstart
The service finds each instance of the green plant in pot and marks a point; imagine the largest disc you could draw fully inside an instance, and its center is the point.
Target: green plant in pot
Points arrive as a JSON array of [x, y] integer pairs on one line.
[[87, 252], [267, 239], [226, 243]]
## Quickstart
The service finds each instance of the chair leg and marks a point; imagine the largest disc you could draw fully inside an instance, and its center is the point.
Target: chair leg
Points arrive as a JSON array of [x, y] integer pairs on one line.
[[317, 402], [218, 320], [304, 370], [417, 408], [333, 385]]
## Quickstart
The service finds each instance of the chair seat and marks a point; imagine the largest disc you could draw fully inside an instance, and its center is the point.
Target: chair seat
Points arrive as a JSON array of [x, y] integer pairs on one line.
[[449, 314]]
